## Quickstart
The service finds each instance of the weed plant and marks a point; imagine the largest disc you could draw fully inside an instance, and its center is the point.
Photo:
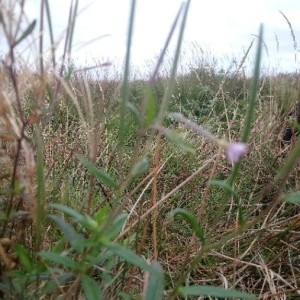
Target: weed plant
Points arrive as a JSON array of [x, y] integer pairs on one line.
[[143, 189]]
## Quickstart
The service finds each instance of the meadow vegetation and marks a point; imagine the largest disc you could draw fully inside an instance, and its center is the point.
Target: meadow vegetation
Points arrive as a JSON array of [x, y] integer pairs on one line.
[[105, 194]]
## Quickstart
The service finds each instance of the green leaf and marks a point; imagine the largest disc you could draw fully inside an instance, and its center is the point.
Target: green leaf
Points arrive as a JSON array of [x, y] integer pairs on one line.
[[69, 233], [60, 280], [91, 288], [86, 221], [125, 84], [41, 188], [178, 141], [99, 174], [69, 211], [24, 257], [116, 226], [134, 111], [103, 214], [151, 107], [25, 33], [156, 284], [140, 167], [205, 290], [226, 187], [191, 220], [62, 260], [130, 257], [293, 198]]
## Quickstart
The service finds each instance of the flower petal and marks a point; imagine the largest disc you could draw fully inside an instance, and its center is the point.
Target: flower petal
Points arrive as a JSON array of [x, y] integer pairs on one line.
[[235, 151]]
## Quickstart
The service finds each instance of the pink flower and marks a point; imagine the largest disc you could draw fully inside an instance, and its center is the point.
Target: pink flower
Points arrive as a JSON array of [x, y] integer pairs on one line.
[[235, 151]]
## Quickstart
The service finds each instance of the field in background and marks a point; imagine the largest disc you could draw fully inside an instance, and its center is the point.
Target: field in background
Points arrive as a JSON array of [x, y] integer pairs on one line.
[[104, 195]]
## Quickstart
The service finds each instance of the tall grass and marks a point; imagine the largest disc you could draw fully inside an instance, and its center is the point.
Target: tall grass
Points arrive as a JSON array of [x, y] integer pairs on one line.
[[141, 189]]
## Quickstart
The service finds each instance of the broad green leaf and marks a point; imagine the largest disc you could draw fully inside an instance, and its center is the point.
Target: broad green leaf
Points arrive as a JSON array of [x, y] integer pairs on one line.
[[91, 288], [140, 167], [62, 260], [28, 30], [69, 232], [99, 174], [156, 284], [205, 290], [293, 198], [191, 220]]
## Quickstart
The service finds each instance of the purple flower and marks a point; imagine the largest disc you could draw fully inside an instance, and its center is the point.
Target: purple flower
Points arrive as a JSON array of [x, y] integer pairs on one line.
[[235, 151]]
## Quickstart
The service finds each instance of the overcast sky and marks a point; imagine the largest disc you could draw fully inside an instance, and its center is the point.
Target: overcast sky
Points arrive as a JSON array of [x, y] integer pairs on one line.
[[221, 28]]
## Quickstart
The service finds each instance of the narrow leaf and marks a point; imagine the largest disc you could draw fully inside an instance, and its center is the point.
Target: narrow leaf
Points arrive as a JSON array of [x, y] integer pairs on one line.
[[150, 107], [131, 257], [69, 233], [212, 291], [226, 187], [24, 257], [116, 226], [191, 220], [79, 218], [134, 111], [140, 167], [91, 288], [60, 280], [62, 260], [293, 198], [155, 289], [125, 83], [99, 174], [69, 211], [25, 33], [178, 141]]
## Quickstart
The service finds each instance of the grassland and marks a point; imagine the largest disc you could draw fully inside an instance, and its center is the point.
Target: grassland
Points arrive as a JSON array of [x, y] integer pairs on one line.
[[105, 194]]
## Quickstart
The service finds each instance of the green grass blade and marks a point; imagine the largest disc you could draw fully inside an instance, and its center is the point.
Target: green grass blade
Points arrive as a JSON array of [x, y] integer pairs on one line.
[[251, 100], [214, 292], [125, 84], [171, 84], [49, 21], [41, 194], [253, 88], [26, 33]]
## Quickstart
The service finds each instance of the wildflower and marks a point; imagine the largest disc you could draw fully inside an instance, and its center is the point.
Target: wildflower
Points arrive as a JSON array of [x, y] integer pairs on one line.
[[235, 151]]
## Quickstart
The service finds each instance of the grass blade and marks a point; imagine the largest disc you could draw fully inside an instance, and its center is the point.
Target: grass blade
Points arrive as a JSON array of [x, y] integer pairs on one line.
[[214, 292], [125, 84]]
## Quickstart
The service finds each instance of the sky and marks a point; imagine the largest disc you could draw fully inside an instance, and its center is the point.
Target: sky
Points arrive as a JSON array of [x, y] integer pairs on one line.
[[215, 28]]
